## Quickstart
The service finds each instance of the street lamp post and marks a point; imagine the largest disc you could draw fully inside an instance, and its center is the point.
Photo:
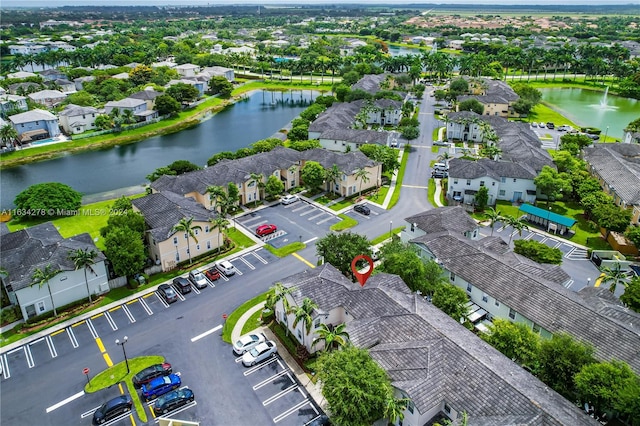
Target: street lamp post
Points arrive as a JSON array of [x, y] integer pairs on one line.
[[390, 229], [119, 343], [606, 132]]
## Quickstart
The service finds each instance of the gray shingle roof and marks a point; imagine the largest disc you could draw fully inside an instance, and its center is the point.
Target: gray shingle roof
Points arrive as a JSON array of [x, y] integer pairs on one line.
[[125, 103], [24, 251], [430, 356], [33, 115], [454, 219], [356, 136], [618, 164], [468, 169], [536, 292], [370, 83], [146, 95], [163, 210], [72, 110], [340, 115]]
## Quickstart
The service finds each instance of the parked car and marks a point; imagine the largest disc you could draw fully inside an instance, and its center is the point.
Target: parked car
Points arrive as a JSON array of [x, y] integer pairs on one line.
[[112, 409], [172, 400], [534, 124], [565, 128], [167, 293], [198, 279], [440, 166], [550, 125], [182, 284], [160, 386], [263, 230], [362, 209], [226, 268], [542, 125], [261, 352], [439, 174], [288, 199], [145, 376], [247, 342], [213, 274]]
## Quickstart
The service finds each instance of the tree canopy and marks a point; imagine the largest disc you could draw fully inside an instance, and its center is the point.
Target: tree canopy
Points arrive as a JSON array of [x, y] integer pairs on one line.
[[312, 174], [340, 249], [515, 340], [46, 200]]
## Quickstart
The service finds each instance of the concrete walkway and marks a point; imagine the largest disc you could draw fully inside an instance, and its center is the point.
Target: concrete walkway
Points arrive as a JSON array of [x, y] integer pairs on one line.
[[313, 389], [436, 194]]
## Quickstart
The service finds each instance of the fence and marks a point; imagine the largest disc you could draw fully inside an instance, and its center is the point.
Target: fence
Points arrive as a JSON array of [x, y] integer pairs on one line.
[[117, 282], [123, 128], [151, 270]]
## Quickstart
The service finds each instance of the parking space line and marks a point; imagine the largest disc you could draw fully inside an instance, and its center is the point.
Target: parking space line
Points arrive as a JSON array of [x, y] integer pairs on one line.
[[65, 401], [5, 366], [558, 244], [269, 380], [569, 283], [312, 239], [256, 255], [145, 306], [206, 333], [309, 212], [291, 410], [52, 348], [57, 332], [107, 359], [110, 320], [72, 337], [27, 353], [247, 262], [92, 329], [259, 366], [316, 216], [100, 345], [126, 310], [326, 220], [279, 395], [166, 305], [195, 289], [302, 206], [179, 410]]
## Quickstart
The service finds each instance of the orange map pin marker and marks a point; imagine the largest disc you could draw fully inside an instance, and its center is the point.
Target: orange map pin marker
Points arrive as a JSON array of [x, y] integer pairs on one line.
[[361, 277]]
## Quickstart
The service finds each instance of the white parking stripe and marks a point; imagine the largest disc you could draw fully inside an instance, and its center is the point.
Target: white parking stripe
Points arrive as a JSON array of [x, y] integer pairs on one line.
[[312, 239], [247, 262], [66, 401], [145, 306], [27, 352], [259, 366], [308, 212], [52, 348], [206, 333], [316, 216], [326, 220], [291, 410], [126, 310], [269, 380], [72, 337], [279, 395], [92, 329], [256, 255], [112, 323], [178, 293], [5, 366], [302, 206], [161, 299], [569, 283], [179, 410]]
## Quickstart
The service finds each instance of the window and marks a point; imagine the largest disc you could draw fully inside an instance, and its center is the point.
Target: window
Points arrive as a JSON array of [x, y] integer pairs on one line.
[[515, 180], [447, 409], [410, 406], [503, 179], [344, 177], [481, 183], [316, 323], [177, 257], [299, 334], [468, 182], [196, 231], [455, 181], [452, 276], [197, 247], [493, 184], [497, 303], [536, 328], [512, 314], [37, 123], [175, 240], [41, 307], [83, 116], [469, 287], [206, 228], [485, 297], [502, 192]]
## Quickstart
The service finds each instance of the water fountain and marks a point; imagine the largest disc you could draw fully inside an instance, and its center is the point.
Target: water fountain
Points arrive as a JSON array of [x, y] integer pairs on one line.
[[604, 104]]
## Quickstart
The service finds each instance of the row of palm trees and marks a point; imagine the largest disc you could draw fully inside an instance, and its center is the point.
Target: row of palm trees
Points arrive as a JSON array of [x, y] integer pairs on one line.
[[516, 223]]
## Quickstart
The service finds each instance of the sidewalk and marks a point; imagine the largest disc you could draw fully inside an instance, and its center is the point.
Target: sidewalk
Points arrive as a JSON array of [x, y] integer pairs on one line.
[[314, 389]]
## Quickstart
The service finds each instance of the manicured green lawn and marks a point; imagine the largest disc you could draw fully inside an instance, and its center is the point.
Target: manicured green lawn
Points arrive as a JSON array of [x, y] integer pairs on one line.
[[346, 223], [379, 196], [286, 250], [543, 113], [341, 204], [233, 318], [385, 236], [396, 192], [252, 323]]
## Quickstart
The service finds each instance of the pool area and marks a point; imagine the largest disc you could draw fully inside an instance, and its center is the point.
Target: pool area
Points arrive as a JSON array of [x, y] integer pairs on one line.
[[48, 141]]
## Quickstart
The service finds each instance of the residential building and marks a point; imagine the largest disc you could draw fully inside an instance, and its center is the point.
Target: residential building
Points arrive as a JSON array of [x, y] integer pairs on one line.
[[35, 125], [347, 140], [227, 73], [24, 88], [48, 98], [198, 84], [442, 368], [24, 251], [504, 180], [148, 95], [79, 82], [506, 285], [65, 85], [76, 119], [497, 98], [21, 74], [616, 167], [11, 104], [52, 74], [162, 211], [187, 70], [134, 105]]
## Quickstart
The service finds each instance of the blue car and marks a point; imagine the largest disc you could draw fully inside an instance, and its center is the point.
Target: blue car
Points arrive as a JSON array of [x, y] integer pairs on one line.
[[160, 386]]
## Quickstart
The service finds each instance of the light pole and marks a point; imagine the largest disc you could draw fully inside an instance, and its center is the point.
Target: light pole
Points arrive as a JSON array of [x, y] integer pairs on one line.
[[390, 229], [119, 343], [606, 132]]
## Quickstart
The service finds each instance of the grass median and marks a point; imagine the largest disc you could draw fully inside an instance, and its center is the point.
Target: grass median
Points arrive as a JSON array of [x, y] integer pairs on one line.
[[233, 318]]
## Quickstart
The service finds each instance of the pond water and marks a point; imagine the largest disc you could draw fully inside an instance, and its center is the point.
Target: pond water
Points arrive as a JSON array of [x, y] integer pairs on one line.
[[593, 108], [260, 116]]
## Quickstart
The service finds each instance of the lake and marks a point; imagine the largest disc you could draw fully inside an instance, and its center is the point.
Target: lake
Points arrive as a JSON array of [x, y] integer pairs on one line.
[[259, 116]]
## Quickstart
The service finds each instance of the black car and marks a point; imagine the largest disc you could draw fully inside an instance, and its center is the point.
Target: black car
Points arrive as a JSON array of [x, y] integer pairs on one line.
[[150, 373], [182, 284], [361, 208], [550, 125], [172, 400], [167, 293], [112, 409]]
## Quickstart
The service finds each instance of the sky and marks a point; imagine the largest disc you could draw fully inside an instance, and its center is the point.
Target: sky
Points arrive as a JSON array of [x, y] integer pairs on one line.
[[55, 3]]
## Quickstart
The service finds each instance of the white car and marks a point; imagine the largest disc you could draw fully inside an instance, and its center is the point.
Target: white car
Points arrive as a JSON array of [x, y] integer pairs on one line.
[[288, 199], [198, 279], [226, 268], [247, 342], [259, 353], [542, 125]]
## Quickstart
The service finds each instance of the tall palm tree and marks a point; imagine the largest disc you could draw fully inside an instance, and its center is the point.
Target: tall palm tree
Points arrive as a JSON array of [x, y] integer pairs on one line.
[[42, 277], [517, 225], [84, 258], [303, 313], [614, 276], [494, 216], [278, 292], [186, 225], [221, 224], [363, 176], [8, 135], [215, 193], [394, 408], [332, 337], [256, 178], [128, 117], [332, 175]]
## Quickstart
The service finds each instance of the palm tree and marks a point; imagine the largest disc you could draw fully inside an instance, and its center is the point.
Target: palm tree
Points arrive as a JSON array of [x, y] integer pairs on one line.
[[186, 225], [332, 175], [84, 258], [215, 193], [42, 277], [332, 337], [256, 178], [8, 135], [517, 225], [494, 216], [394, 408], [363, 175], [614, 276], [128, 117], [303, 313], [221, 224]]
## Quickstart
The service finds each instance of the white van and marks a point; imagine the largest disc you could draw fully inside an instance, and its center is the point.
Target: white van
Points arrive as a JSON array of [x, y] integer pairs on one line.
[[226, 268], [440, 166]]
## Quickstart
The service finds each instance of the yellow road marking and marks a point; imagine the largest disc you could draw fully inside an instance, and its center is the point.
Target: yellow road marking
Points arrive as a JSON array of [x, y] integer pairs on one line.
[[57, 332], [599, 280], [151, 410], [100, 345], [148, 295], [132, 301], [114, 309], [120, 387], [78, 323], [98, 315], [303, 260], [107, 359], [133, 422]]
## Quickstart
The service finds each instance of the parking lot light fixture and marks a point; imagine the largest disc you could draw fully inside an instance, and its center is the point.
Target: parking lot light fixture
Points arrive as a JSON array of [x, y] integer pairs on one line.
[[119, 343], [390, 229]]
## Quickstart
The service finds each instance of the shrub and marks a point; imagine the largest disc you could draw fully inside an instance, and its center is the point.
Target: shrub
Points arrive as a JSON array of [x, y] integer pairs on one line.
[[539, 252]]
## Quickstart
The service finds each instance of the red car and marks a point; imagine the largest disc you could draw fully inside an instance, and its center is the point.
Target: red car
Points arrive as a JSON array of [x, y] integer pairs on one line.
[[263, 230], [213, 274]]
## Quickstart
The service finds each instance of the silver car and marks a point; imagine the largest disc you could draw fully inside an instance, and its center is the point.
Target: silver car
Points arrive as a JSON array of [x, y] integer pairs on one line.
[[288, 199], [259, 353], [198, 279], [247, 342]]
